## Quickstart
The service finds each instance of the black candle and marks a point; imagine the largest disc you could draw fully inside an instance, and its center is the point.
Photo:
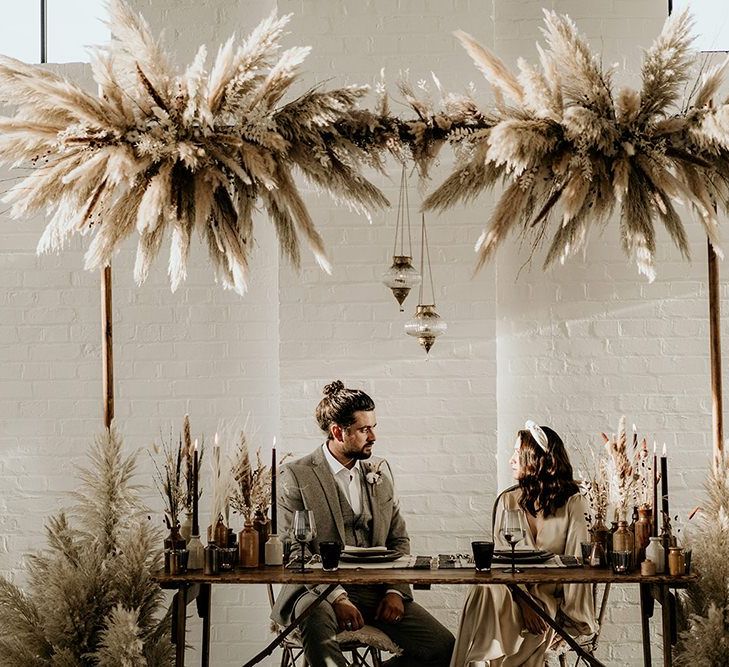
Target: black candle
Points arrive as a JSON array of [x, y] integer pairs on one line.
[[656, 515], [273, 488], [195, 475], [664, 485]]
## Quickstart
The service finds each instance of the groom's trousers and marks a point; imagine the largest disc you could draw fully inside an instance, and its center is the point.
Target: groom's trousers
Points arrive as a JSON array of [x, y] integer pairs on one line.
[[424, 641]]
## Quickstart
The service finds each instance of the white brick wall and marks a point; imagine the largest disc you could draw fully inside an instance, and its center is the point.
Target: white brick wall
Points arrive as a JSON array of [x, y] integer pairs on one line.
[[575, 347]]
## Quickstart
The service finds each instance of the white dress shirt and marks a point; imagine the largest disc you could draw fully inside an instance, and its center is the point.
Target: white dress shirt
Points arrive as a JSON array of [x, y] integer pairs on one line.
[[347, 479]]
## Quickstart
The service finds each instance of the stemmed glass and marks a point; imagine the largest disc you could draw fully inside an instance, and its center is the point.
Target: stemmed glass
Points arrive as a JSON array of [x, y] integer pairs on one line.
[[304, 530], [512, 530]]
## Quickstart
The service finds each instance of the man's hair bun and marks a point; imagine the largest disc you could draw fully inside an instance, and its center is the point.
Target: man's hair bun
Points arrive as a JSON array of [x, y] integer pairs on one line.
[[333, 388]]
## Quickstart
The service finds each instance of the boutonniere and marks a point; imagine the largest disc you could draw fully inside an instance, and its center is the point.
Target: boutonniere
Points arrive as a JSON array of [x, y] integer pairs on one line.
[[374, 475]]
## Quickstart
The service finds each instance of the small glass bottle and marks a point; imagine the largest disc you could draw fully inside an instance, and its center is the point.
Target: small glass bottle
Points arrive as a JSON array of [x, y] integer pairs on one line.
[[623, 541], [654, 551], [173, 542], [220, 533], [676, 561], [274, 550], [248, 546], [211, 559]]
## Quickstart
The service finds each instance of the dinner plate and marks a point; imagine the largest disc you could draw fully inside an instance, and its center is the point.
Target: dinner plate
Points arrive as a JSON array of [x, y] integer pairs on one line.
[[379, 557], [523, 557]]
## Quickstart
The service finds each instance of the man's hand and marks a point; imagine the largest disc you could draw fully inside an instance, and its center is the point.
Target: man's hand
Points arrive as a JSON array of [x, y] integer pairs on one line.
[[533, 622], [390, 609], [347, 614]]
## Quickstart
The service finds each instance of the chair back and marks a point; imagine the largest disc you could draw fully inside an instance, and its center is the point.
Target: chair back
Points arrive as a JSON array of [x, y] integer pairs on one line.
[[495, 507]]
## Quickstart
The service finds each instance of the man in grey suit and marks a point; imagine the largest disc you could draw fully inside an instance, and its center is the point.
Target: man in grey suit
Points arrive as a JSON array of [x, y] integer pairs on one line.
[[354, 503]]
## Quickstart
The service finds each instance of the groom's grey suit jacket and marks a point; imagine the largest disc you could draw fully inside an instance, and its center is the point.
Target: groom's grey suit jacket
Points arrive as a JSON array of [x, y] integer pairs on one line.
[[308, 483]]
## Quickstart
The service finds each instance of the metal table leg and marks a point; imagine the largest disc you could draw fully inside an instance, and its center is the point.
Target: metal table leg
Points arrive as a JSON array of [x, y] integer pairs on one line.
[[527, 599], [203, 611], [290, 628], [646, 612]]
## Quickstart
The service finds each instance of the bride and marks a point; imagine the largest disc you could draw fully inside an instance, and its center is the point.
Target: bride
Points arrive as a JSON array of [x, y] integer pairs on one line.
[[498, 629]]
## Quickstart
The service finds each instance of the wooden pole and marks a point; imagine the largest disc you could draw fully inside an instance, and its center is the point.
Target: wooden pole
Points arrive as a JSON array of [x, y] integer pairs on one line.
[[715, 346], [107, 355]]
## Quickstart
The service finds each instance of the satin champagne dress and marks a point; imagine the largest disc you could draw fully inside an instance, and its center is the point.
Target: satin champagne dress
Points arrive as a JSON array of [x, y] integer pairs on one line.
[[492, 628]]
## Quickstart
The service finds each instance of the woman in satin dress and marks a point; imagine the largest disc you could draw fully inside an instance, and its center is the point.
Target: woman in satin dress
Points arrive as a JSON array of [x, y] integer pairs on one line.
[[504, 632]]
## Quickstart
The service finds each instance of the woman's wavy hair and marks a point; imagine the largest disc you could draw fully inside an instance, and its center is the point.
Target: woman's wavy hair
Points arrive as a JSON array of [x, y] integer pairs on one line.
[[339, 405], [547, 480]]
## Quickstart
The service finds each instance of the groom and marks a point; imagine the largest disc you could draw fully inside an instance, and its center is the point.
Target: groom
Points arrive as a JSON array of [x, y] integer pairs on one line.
[[354, 503]]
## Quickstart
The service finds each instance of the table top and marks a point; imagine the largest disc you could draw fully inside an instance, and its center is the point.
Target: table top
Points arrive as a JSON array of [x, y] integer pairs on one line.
[[279, 575]]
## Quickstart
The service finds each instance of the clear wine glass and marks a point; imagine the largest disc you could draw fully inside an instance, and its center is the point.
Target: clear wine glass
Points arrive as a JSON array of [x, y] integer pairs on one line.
[[512, 530], [304, 530]]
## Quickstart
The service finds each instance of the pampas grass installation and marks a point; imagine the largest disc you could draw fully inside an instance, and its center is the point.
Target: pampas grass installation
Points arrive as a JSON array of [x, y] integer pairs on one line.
[[570, 149], [90, 597], [159, 153]]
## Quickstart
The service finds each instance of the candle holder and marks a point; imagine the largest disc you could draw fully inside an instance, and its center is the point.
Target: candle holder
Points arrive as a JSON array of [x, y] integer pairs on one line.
[[196, 559]]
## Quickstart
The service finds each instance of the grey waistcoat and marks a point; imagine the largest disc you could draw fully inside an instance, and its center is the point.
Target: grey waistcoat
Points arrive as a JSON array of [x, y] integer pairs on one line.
[[357, 529]]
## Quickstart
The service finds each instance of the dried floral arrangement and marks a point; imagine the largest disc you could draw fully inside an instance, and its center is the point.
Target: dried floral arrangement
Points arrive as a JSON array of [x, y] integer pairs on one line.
[[187, 451], [705, 606], [222, 485], [627, 470], [162, 152], [252, 486], [90, 598], [595, 487], [570, 148], [173, 475], [617, 477], [252, 490], [169, 477]]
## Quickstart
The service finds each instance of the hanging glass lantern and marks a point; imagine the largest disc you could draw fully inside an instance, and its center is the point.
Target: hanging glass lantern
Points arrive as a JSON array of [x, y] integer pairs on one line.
[[426, 325], [402, 276]]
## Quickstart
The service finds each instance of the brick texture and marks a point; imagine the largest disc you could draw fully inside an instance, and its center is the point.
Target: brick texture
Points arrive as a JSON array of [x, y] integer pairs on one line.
[[574, 347]]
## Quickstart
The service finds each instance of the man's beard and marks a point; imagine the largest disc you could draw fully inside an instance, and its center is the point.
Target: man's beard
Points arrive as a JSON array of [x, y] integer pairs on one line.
[[360, 454]]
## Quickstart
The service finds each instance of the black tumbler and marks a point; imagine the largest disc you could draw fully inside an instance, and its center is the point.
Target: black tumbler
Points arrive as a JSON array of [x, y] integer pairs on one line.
[[483, 553], [330, 552]]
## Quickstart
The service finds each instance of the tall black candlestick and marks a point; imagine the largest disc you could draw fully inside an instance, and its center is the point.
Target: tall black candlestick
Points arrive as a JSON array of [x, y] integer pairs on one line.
[[656, 513], [664, 488], [195, 475], [273, 489]]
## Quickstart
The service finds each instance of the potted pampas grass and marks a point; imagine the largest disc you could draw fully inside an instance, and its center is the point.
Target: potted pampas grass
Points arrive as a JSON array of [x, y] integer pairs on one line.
[[90, 599], [704, 641]]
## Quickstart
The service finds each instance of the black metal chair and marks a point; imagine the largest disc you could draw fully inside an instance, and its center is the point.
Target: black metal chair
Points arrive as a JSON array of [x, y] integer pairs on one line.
[[363, 648], [599, 598]]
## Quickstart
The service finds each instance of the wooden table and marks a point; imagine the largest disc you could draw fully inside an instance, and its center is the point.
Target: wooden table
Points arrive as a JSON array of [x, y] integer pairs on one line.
[[197, 586]]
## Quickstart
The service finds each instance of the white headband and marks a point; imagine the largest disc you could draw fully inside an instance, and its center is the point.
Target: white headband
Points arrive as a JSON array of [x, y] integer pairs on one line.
[[538, 434]]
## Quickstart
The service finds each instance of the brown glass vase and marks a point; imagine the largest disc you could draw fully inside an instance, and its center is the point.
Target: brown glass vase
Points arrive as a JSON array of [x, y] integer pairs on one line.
[[248, 546], [220, 533], [173, 542], [642, 533], [263, 528], [623, 539]]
